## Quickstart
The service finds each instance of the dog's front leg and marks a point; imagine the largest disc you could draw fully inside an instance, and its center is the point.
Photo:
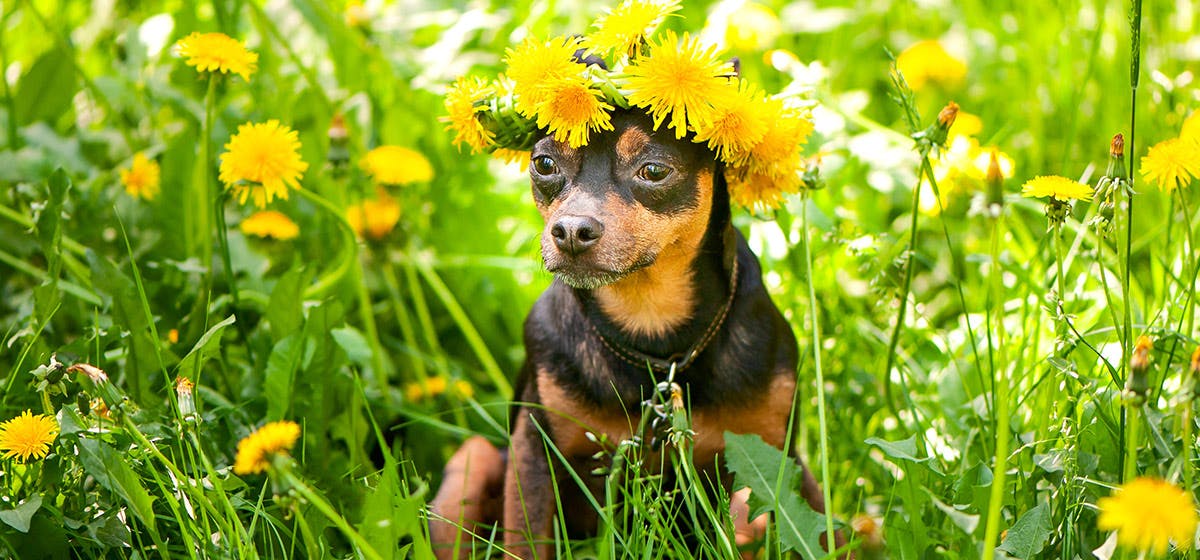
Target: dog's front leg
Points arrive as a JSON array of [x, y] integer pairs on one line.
[[528, 493]]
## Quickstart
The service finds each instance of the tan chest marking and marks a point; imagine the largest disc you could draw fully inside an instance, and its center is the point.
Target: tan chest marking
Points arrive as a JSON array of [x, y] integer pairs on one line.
[[570, 419], [660, 297]]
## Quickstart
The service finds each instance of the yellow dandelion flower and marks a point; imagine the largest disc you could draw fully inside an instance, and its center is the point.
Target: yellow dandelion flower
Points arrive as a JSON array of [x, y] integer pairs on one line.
[[1191, 127], [1147, 513], [1172, 163], [269, 223], [374, 217], [680, 78], [464, 389], [625, 27], [254, 451], [965, 124], [142, 178], [464, 102], [927, 62], [1060, 188], [262, 161], [760, 191], [212, 52], [573, 110], [518, 158], [432, 387], [396, 165], [752, 26], [27, 435], [356, 15], [536, 67], [780, 147], [739, 123]]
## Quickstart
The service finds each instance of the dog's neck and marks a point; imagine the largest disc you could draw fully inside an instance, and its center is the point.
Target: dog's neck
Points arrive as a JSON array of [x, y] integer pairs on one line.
[[666, 307]]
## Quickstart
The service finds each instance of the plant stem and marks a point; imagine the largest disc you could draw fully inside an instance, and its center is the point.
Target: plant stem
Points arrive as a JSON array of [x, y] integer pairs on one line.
[[327, 510], [909, 254], [346, 253], [826, 486], [1135, 54], [1000, 388]]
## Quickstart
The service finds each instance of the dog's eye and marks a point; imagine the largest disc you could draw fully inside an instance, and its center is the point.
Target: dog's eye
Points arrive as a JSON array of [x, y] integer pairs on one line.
[[544, 165], [654, 172]]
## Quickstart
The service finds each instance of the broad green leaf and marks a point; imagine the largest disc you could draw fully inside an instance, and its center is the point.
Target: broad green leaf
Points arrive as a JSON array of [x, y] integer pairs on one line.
[[354, 343], [905, 449], [756, 464], [19, 517], [280, 376], [961, 519], [1029, 534], [285, 312], [111, 471], [204, 349], [45, 91]]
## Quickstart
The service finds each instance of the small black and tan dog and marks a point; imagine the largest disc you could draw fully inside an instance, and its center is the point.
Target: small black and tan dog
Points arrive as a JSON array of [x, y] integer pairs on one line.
[[648, 271]]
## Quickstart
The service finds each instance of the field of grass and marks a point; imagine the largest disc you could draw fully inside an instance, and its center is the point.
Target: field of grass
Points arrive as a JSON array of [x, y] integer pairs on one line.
[[986, 383]]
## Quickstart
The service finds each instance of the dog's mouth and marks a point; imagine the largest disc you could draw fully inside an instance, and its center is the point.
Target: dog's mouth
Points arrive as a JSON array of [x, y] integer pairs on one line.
[[584, 275]]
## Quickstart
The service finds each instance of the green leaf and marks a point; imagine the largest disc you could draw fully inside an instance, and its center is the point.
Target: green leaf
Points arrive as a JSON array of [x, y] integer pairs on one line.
[[19, 517], [905, 449], [204, 349], [354, 343], [45, 91], [756, 464], [280, 376], [285, 312], [961, 519], [1029, 534], [111, 471]]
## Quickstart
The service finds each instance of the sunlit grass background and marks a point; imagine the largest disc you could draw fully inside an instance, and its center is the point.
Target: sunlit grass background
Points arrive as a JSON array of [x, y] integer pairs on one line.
[[389, 352]]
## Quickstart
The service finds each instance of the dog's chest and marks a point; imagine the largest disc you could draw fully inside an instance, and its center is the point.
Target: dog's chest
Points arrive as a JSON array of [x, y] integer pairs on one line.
[[572, 419]]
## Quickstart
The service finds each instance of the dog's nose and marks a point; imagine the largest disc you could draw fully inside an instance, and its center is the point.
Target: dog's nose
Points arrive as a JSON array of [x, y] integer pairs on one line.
[[575, 234]]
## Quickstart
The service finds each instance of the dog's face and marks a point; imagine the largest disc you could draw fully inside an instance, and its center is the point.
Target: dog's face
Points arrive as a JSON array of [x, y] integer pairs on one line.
[[614, 206]]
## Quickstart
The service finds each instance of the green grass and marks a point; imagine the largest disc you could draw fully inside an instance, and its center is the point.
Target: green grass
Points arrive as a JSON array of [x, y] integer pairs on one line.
[[949, 342]]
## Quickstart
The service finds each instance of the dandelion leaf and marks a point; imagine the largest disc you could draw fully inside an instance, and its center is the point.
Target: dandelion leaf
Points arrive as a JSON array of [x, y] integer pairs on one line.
[[355, 345], [756, 464], [44, 93], [1029, 534], [19, 517], [204, 349], [111, 471], [905, 449], [285, 312], [280, 377]]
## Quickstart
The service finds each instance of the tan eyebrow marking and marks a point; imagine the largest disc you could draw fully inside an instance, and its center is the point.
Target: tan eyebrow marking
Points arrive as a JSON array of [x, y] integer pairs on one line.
[[631, 142]]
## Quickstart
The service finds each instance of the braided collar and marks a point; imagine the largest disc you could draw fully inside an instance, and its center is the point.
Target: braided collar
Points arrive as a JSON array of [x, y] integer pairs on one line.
[[680, 361]]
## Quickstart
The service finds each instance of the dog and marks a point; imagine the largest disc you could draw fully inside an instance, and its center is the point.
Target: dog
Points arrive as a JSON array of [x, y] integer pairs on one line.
[[651, 280]]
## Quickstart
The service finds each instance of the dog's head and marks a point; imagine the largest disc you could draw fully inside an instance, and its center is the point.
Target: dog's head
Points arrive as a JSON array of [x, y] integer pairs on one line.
[[614, 206]]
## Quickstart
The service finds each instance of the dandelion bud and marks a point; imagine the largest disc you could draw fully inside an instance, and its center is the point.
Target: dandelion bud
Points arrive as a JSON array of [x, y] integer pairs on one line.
[[947, 115], [183, 393], [95, 374], [995, 181], [1137, 384], [339, 150], [1116, 158], [869, 533], [937, 133], [99, 379]]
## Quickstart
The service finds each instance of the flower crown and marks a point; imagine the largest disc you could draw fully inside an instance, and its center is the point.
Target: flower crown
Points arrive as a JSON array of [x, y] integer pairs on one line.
[[558, 87]]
